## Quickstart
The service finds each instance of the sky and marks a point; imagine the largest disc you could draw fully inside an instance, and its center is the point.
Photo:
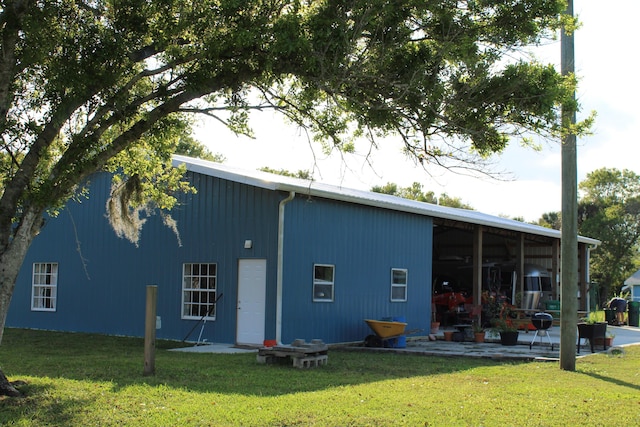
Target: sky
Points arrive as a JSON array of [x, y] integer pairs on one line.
[[606, 67]]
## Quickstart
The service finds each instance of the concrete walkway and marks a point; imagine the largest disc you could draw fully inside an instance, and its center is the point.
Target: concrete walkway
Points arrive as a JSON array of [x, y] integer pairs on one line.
[[540, 350]]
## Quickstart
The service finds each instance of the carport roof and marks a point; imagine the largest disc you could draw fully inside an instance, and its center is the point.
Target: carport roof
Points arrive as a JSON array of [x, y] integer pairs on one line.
[[313, 188]]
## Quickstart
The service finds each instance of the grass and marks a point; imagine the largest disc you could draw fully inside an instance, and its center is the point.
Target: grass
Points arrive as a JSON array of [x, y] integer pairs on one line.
[[93, 380]]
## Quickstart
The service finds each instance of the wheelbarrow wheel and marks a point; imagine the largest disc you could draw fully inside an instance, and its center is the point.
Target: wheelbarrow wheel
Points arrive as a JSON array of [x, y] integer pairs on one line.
[[372, 341]]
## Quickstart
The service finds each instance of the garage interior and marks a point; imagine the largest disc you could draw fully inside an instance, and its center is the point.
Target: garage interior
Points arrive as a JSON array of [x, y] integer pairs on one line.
[[473, 262]]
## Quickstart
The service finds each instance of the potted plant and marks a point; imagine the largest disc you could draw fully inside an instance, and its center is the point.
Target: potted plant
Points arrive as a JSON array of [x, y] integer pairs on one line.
[[507, 331], [478, 332], [592, 330], [505, 327], [435, 325], [448, 335], [608, 339]]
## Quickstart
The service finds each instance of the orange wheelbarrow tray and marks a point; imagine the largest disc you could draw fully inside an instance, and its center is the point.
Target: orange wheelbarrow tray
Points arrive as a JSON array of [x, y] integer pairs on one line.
[[386, 330]]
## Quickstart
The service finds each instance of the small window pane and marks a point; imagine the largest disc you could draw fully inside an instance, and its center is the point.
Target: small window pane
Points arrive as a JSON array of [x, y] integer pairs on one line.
[[398, 293], [323, 292], [323, 285], [324, 273], [399, 277]]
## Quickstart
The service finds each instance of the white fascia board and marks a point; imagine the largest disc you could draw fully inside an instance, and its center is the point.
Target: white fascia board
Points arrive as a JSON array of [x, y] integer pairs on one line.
[[312, 188]]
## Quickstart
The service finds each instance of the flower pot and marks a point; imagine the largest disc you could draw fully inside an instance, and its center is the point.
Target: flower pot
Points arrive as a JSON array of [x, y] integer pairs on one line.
[[509, 337], [478, 336], [435, 326], [448, 335], [607, 341]]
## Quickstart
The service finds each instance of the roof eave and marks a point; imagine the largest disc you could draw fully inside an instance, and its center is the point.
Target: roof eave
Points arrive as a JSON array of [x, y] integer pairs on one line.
[[313, 188]]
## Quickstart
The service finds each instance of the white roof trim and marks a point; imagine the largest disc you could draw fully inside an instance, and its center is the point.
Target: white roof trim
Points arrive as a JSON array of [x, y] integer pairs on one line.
[[313, 188], [634, 279]]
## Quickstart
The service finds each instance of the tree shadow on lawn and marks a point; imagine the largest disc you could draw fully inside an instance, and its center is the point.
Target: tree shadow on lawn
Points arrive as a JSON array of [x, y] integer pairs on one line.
[[120, 361], [40, 404], [612, 380]]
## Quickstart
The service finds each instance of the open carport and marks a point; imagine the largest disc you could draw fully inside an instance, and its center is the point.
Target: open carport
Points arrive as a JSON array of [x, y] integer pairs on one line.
[[477, 256]]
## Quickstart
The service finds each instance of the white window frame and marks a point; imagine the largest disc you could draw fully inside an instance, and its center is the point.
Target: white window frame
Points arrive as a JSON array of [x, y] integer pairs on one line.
[[399, 285], [322, 284], [44, 286], [199, 290]]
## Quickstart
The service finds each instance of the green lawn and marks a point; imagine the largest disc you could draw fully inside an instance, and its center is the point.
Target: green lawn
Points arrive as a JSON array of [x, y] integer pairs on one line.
[[91, 380]]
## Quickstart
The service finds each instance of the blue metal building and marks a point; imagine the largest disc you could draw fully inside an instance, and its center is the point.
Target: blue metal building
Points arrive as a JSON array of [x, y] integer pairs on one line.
[[259, 250], [259, 256]]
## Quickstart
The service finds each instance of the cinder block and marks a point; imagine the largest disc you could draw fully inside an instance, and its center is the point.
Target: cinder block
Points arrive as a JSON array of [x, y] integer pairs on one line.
[[264, 359], [310, 362]]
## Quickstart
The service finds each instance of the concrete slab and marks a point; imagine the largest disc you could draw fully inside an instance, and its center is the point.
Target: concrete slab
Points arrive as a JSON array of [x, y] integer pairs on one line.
[[540, 350]]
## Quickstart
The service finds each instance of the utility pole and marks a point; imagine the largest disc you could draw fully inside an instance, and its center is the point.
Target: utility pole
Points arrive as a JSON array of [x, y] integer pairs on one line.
[[569, 234]]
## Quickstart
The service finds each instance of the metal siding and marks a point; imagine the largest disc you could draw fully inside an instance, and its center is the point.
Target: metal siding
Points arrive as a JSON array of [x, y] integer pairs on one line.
[[364, 244], [109, 297]]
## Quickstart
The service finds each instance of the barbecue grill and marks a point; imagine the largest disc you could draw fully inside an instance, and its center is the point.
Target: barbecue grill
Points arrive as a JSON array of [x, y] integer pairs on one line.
[[542, 322]]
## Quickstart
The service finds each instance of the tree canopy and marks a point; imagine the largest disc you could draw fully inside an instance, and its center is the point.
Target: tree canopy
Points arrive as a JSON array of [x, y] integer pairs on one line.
[[608, 210], [302, 174], [189, 146], [89, 85], [416, 192]]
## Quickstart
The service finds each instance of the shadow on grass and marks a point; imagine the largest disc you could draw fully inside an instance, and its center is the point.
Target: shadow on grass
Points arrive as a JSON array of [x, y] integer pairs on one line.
[[614, 381], [39, 403], [119, 361]]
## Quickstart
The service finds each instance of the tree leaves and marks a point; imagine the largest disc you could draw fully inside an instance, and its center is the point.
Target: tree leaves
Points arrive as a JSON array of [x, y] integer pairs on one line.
[[83, 82], [610, 212]]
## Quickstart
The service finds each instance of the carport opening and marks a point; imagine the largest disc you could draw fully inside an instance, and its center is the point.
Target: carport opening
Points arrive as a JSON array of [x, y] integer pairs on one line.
[[453, 269]]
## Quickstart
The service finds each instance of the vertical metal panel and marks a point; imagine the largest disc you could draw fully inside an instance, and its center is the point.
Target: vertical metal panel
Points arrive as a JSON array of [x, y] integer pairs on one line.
[[102, 280], [364, 244]]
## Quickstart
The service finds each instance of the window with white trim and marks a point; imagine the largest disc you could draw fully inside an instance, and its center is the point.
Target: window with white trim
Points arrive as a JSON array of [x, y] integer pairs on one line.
[[323, 276], [44, 289], [398, 284], [199, 290]]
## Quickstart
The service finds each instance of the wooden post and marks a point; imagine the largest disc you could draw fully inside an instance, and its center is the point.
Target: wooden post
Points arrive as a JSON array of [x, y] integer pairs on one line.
[[583, 273], [555, 269], [150, 331], [569, 233], [477, 266], [519, 271]]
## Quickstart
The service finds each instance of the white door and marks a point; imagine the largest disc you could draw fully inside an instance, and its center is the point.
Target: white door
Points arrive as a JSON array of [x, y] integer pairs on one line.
[[252, 290]]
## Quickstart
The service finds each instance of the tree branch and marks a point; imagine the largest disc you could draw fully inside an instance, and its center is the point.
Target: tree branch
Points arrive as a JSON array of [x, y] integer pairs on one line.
[[14, 189], [72, 168]]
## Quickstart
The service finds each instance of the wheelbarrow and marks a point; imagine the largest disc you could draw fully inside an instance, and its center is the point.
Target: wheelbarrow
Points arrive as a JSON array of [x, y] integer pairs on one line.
[[385, 332]]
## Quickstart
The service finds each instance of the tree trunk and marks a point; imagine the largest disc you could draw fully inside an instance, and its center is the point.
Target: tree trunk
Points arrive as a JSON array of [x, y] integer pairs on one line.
[[11, 259], [6, 388]]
